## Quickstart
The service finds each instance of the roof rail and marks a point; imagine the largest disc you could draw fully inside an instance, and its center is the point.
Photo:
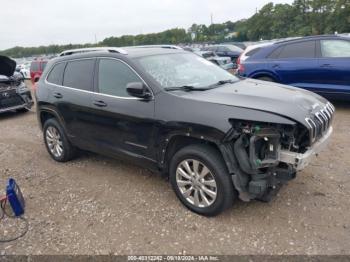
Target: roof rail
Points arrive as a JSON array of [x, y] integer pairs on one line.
[[157, 46], [93, 49], [305, 37]]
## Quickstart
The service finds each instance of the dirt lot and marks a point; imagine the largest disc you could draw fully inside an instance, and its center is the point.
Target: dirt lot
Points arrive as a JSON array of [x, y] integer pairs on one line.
[[97, 205]]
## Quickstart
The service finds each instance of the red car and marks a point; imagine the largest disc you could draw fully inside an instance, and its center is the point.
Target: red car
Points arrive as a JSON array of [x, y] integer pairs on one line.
[[36, 69]]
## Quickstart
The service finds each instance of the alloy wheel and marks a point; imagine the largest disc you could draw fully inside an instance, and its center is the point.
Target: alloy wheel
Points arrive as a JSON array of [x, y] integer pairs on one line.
[[196, 183], [54, 141]]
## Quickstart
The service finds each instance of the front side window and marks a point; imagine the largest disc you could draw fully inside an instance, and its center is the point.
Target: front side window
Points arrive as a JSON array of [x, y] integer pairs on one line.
[[299, 50], [56, 74], [183, 69], [114, 76], [335, 48], [79, 74]]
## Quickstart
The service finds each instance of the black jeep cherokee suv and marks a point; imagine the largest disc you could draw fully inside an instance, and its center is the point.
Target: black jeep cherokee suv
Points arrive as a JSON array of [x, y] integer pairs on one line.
[[216, 136]]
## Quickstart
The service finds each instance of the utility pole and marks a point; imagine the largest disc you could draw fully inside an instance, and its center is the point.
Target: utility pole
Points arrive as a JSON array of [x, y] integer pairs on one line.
[[211, 18]]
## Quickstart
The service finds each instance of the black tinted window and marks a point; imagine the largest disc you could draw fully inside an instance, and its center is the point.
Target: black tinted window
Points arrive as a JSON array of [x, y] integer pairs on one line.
[[252, 52], [299, 50], [56, 74], [113, 76], [78, 74]]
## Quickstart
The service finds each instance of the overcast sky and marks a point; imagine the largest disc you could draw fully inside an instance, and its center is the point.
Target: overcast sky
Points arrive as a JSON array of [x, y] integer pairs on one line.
[[44, 22]]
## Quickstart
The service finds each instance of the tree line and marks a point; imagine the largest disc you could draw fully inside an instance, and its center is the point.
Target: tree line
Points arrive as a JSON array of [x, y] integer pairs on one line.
[[301, 18]]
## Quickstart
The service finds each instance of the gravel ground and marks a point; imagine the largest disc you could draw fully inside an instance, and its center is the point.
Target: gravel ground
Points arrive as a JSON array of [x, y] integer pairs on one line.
[[97, 205]]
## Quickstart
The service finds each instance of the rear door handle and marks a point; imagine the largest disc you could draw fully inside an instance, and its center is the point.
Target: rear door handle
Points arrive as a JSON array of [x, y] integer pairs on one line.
[[326, 65], [58, 95], [100, 103], [276, 66]]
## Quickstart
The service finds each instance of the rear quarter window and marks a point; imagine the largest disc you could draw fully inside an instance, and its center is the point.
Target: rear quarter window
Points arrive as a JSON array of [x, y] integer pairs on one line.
[[79, 74], [252, 52], [56, 74]]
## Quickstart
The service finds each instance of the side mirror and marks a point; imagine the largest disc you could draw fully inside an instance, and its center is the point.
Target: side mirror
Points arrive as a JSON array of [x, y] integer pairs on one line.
[[138, 89]]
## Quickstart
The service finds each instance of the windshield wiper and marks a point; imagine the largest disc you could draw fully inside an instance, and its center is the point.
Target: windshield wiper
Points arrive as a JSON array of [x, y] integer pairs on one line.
[[186, 88], [223, 82]]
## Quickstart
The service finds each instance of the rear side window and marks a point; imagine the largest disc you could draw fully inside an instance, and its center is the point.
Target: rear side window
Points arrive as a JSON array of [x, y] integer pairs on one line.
[[113, 77], [56, 74], [79, 74], [252, 52], [34, 67], [299, 50], [335, 48]]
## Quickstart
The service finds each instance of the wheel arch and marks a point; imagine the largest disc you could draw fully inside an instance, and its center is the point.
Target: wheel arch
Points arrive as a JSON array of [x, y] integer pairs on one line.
[[265, 74], [178, 141]]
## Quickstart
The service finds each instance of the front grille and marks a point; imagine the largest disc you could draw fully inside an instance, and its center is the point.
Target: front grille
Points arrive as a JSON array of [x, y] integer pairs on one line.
[[320, 121], [10, 98]]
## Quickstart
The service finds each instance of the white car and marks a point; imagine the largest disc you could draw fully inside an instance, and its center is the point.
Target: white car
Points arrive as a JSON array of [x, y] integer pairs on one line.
[[24, 69]]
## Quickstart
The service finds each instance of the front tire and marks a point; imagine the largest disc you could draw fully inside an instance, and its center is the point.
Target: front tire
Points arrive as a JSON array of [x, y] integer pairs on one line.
[[56, 142], [201, 181]]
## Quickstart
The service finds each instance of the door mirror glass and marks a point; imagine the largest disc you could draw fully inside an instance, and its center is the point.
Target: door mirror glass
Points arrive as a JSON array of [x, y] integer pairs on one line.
[[138, 89]]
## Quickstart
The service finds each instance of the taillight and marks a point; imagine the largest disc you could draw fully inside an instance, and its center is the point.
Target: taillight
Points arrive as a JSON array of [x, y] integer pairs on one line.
[[240, 66]]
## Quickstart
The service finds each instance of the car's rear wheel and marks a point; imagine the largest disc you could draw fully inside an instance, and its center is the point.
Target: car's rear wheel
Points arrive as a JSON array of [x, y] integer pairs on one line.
[[266, 78], [201, 181], [56, 142]]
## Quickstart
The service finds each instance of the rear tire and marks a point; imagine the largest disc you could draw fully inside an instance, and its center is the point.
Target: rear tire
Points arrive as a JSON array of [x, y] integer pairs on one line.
[[56, 142], [266, 78], [205, 194]]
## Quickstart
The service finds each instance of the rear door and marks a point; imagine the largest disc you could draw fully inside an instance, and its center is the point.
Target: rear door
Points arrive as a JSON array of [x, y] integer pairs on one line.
[[73, 100], [296, 64], [334, 66]]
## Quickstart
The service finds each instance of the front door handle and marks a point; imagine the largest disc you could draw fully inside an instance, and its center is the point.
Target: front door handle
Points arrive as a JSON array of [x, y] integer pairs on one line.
[[58, 95], [326, 65], [276, 66], [100, 103]]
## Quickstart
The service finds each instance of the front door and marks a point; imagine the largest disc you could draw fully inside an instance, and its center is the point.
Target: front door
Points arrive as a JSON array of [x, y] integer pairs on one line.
[[334, 66], [124, 124]]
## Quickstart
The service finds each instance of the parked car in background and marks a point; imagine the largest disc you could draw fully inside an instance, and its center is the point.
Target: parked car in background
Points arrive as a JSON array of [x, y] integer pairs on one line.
[[318, 63], [14, 94], [231, 51], [36, 68], [223, 62], [216, 136], [241, 45], [24, 69]]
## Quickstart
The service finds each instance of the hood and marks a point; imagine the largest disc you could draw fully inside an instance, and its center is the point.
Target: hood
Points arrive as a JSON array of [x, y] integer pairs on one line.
[[7, 66], [286, 101]]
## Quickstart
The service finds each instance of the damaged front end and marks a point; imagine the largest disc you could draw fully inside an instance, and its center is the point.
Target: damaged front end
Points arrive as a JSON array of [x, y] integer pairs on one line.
[[265, 156], [14, 94]]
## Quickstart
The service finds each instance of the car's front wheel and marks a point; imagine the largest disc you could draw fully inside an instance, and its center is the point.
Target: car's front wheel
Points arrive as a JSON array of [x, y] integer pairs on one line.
[[56, 142], [200, 180]]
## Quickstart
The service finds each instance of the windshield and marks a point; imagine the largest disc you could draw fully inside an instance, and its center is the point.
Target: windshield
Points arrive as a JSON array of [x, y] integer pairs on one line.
[[183, 69]]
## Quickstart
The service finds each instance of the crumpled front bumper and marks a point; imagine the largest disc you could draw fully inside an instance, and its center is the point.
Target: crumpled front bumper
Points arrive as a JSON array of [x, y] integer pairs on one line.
[[26, 102], [300, 161]]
